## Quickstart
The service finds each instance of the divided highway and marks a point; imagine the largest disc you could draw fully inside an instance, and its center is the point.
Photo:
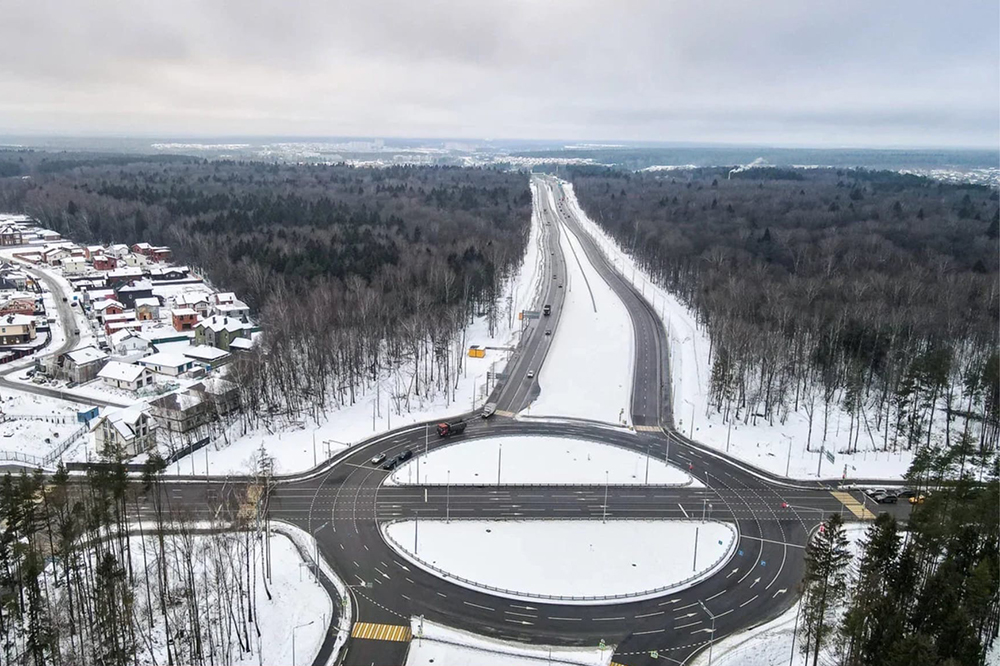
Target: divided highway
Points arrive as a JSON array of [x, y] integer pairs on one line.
[[344, 502]]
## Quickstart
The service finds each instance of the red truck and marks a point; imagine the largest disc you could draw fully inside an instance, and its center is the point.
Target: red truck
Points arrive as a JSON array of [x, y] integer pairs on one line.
[[449, 429]]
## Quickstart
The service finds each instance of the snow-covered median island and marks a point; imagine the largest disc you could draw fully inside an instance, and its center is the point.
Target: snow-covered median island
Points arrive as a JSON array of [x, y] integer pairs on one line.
[[587, 373], [534, 459], [435, 644], [573, 561]]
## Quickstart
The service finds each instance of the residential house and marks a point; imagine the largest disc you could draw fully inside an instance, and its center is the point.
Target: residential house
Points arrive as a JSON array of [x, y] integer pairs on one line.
[[220, 395], [19, 304], [134, 260], [236, 309], [74, 265], [113, 327], [80, 365], [223, 297], [128, 293], [207, 356], [107, 308], [13, 278], [48, 235], [167, 363], [116, 374], [184, 319], [126, 343], [161, 253], [241, 345], [118, 250], [168, 273], [147, 309], [142, 248], [125, 432], [122, 276], [197, 301], [92, 297], [53, 256], [90, 251], [16, 329], [179, 412], [103, 262], [221, 331], [11, 234]]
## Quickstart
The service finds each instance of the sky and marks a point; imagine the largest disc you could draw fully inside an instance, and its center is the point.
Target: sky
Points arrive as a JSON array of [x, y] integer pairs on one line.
[[907, 73]]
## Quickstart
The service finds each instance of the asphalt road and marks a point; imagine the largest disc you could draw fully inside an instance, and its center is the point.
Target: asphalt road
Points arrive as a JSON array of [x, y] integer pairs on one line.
[[343, 503]]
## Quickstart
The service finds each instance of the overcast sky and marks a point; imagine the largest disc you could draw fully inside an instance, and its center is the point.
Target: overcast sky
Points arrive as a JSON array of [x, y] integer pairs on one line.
[[788, 72]]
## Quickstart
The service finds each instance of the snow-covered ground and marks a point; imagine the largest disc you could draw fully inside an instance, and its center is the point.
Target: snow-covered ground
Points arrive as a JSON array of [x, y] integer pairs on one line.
[[587, 373], [533, 459], [569, 559], [770, 644], [437, 645], [773, 448], [29, 420], [291, 443]]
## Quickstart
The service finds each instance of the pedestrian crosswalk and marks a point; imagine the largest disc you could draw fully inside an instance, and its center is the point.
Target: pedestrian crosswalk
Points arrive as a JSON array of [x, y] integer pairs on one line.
[[381, 632], [504, 412], [853, 505]]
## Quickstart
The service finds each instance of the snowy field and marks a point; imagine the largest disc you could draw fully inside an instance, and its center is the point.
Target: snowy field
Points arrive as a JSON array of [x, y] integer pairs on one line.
[[773, 448], [524, 559], [299, 445], [437, 645], [587, 373], [548, 460]]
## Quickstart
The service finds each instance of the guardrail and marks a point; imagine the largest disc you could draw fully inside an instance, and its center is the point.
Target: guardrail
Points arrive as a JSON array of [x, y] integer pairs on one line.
[[17, 456], [727, 553]]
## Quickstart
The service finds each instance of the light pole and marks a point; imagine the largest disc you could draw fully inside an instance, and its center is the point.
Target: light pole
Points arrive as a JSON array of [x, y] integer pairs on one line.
[[499, 458], [604, 518], [788, 460], [711, 641], [647, 463], [293, 637], [691, 436]]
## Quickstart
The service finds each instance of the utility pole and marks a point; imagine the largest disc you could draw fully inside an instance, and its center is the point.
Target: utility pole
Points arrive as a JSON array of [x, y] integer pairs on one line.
[[694, 565], [711, 641], [788, 460], [499, 459], [647, 463]]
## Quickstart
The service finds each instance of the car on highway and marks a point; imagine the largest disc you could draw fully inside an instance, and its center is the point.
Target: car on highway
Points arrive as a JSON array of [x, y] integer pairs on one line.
[[390, 464], [554, 276], [76, 331], [489, 409], [548, 331], [405, 455], [531, 374], [379, 459], [64, 299]]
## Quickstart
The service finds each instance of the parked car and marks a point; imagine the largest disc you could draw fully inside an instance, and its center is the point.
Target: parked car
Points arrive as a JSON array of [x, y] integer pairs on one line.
[[906, 493], [917, 499], [379, 459], [72, 385], [886, 498]]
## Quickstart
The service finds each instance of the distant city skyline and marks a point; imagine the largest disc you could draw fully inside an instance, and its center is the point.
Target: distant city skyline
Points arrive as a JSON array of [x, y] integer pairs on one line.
[[778, 73]]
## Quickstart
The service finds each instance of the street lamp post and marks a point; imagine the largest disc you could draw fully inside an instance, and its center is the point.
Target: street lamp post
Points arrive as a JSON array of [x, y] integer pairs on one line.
[[604, 518], [788, 460], [647, 463], [691, 435], [499, 459], [293, 637], [711, 641]]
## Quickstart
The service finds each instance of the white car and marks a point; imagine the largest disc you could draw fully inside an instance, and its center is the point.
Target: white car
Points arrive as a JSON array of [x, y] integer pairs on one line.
[[531, 374], [379, 459]]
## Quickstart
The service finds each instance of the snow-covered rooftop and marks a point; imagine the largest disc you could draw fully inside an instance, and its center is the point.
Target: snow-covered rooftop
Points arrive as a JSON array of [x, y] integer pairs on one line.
[[167, 359], [85, 355], [125, 372]]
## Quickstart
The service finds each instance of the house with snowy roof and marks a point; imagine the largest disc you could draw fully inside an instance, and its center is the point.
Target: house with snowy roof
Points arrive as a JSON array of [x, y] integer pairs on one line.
[[125, 432], [128, 376]]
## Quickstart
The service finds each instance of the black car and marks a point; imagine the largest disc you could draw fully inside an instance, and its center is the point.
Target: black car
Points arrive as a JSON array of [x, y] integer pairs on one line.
[[405, 455], [887, 499], [390, 464], [906, 493]]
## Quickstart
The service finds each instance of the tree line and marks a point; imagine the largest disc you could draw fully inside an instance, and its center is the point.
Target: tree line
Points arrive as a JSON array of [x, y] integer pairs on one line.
[[927, 593], [354, 273], [106, 570], [871, 291]]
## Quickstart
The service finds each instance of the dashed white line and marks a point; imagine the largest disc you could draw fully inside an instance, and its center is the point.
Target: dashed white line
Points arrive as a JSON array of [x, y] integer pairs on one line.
[[747, 601]]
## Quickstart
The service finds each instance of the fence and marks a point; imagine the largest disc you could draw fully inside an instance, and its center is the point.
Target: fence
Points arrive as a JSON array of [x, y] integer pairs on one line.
[[49, 458], [704, 573]]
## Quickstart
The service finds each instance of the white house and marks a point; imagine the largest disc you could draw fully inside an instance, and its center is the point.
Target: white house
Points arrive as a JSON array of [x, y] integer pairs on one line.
[[116, 374], [167, 363], [236, 309], [127, 432], [127, 343], [74, 266]]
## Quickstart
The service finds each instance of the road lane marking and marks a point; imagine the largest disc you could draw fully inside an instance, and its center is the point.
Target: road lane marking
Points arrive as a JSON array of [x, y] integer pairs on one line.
[[853, 505], [684, 626], [469, 603], [748, 601], [683, 511], [650, 614], [381, 632]]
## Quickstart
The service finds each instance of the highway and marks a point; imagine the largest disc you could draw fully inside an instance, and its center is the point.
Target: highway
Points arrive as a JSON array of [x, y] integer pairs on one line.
[[343, 502]]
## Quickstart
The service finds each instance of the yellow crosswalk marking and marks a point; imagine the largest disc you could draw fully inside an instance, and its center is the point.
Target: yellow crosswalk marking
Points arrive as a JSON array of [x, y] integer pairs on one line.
[[381, 632], [504, 412], [853, 505], [648, 428]]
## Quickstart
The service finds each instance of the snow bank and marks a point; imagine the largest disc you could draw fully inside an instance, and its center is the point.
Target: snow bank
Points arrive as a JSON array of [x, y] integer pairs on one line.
[[779, 449], [435, 644], [535, 459], [573, 561], [587, 373]]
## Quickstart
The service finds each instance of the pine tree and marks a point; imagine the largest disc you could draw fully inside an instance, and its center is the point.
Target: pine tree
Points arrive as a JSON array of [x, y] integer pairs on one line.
[[824, 583]]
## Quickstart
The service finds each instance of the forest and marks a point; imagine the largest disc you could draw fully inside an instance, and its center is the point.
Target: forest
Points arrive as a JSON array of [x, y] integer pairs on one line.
[[927, 592], [352, 272], [873, 291]]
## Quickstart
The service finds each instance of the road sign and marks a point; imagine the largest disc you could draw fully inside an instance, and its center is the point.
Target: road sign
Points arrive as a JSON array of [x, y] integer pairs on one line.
[[829, 456], [531, 314]]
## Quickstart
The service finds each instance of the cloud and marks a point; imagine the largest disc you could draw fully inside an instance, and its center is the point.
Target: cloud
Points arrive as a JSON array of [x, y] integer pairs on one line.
[[857, 73]]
